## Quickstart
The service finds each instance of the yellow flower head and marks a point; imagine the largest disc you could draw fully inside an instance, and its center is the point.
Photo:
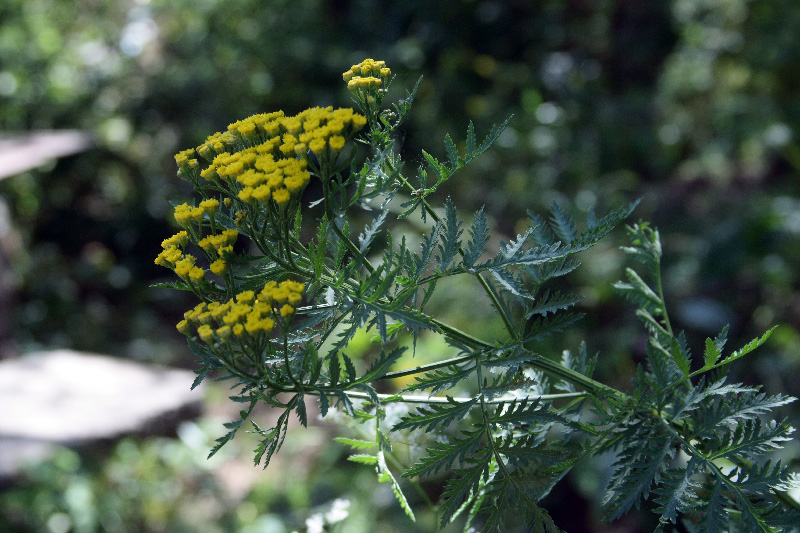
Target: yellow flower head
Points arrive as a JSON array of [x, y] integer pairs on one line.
[[218, 267], [246, 195], [368, 80], [358, 122], [197, 214], [205, 244], [293, 125], [245, 297], [183, 214], [336, 143], [294, 183], [184, 156], [230, 235], [196, 273], [179, 239], [251, 178], [168, 258], [261, 193], [225, 251], [281, 196], [210, 206], [210, 173], [317, 146], [218, 309], [224, 332], [368, 67], [192, 314], [184, 266], [205, 333]]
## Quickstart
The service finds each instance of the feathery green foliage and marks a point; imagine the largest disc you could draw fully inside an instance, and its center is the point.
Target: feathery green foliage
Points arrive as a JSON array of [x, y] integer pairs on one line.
[[500, 422]]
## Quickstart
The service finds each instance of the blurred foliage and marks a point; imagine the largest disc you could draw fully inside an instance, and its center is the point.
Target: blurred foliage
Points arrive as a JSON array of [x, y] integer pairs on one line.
[[691, 105], [158, 484]]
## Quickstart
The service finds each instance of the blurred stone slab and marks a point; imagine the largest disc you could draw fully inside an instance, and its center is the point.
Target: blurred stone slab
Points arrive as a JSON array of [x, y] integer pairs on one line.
[[67, 397], [28, 150]]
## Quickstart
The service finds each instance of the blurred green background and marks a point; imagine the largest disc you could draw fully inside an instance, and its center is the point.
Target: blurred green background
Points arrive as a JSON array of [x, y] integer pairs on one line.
[[691, 105]]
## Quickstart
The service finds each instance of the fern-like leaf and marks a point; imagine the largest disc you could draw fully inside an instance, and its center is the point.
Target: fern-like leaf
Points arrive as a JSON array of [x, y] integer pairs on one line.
[[526, 451], [746, 404], [479, 238], [463, 483], [637, 468], [271, 439], [428, 245], [563, 224], [381, 365], [552, 303], [750, 440], [370, 232], [437, 416], [442, 378], [525, 412], [385, 476], [676, 493], [442, 455], [716, 517], [450, 236]]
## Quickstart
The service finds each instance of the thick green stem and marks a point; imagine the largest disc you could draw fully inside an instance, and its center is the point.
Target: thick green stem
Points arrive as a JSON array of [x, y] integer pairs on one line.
[[540, 363], [429, 400]]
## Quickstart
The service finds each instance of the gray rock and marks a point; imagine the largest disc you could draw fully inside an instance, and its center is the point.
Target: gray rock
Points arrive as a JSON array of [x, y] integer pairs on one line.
[[72, 398], [24, 151]]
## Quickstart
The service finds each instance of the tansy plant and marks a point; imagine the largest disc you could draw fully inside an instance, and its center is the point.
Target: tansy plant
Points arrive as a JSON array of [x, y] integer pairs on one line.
[[499, 421]]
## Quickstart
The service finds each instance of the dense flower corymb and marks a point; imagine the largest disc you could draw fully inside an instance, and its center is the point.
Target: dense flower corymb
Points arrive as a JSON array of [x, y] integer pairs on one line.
[[247, 314], [368, 81]]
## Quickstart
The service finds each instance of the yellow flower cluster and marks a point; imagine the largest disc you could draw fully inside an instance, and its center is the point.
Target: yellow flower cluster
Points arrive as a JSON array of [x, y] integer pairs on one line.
[[172, 256], [179, 239], [187, 164], [186, 269], [279, 180], [367, 76], [265, 156], [247, 314], [216, 244], [283, 296], [216, 144], [219, 245], [185, 214], [261, 124]]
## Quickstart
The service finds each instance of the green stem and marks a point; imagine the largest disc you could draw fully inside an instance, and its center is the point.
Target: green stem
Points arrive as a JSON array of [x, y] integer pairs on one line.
[[431, 366], [430, 400], [660, 289], [541, 363]]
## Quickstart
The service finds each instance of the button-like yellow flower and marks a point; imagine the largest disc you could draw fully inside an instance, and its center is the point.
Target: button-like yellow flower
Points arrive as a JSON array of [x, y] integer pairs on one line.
[[205, 333]]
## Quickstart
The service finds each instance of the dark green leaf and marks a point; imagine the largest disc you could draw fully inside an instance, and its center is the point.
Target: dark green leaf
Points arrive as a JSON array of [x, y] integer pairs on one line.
[[437, 416], [450, 236]]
